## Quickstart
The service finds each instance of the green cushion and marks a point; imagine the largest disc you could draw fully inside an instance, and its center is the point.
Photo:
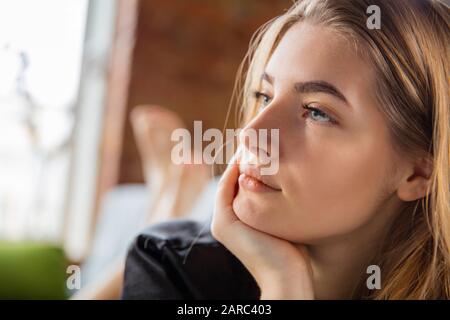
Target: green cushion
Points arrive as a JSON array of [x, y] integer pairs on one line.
[[32, 271]]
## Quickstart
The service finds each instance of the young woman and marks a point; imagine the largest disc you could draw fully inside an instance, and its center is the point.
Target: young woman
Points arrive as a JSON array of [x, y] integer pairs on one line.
[[364, 167]]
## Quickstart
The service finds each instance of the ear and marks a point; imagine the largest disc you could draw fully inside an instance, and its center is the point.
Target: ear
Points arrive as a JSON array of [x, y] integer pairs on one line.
[[416, 181]]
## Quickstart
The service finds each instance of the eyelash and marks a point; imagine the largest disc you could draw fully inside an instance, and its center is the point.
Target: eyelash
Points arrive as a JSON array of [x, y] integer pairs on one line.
[[258, 95]]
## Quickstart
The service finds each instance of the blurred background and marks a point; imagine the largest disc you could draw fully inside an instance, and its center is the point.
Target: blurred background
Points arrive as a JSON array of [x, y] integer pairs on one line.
[[71, 186]]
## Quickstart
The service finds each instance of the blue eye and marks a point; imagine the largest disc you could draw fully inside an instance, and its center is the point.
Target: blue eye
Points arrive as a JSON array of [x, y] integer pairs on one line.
[[318, 115], [262, 99]]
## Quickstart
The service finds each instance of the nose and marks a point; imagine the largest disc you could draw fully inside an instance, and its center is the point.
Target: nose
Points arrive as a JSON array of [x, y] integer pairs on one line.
[[260, 138]]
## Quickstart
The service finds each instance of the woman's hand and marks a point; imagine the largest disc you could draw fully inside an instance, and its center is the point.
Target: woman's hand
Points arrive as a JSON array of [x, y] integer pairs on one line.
[[281, 269]]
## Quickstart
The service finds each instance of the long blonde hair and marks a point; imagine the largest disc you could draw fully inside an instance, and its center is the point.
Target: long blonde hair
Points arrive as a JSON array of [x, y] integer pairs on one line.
[[410, 53]]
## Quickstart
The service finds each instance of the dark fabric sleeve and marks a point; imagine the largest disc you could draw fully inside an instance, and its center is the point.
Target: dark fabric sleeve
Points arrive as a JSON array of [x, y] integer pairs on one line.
[[181, 260], [145, 275]]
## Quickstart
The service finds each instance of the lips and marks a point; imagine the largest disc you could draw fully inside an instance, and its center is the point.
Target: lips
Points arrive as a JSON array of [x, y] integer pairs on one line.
[[251, 177]]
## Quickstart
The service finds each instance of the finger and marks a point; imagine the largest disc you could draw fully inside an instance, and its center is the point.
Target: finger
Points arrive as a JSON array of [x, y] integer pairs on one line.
[[227, 186], [231, 174]]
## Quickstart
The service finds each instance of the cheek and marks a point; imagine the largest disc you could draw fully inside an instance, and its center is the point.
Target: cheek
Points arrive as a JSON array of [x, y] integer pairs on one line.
[[337, 192]]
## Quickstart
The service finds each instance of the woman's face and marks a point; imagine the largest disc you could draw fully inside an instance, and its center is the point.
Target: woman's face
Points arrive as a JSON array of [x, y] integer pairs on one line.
[[336, 163]]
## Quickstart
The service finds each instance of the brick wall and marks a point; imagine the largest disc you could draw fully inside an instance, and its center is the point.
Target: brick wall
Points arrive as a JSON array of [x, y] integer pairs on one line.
[[184, 56]]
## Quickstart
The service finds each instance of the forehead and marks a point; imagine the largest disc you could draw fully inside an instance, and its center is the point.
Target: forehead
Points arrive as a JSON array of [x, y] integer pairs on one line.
[[313, 52]]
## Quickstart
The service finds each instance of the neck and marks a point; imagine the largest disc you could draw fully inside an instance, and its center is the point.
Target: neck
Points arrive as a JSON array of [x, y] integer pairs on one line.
[[340, 264], [339, 267]]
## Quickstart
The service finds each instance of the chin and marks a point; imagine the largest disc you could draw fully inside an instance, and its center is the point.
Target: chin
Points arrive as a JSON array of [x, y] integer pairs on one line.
[[260, 216], [253, 213]]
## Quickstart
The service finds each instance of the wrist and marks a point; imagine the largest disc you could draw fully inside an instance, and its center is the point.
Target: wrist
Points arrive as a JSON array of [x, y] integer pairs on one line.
[[282, 285]]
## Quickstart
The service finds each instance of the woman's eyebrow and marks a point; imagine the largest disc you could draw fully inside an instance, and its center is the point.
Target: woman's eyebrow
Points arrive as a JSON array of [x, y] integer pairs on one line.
[[311, 87], [319, 86], [267, 77]]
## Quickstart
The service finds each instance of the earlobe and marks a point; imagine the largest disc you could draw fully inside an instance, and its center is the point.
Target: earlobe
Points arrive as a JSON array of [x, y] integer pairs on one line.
[[416, 185], [413, 190]]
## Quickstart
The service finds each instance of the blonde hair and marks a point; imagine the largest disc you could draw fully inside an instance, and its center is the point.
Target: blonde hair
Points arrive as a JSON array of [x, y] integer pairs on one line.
[[410, 54]]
